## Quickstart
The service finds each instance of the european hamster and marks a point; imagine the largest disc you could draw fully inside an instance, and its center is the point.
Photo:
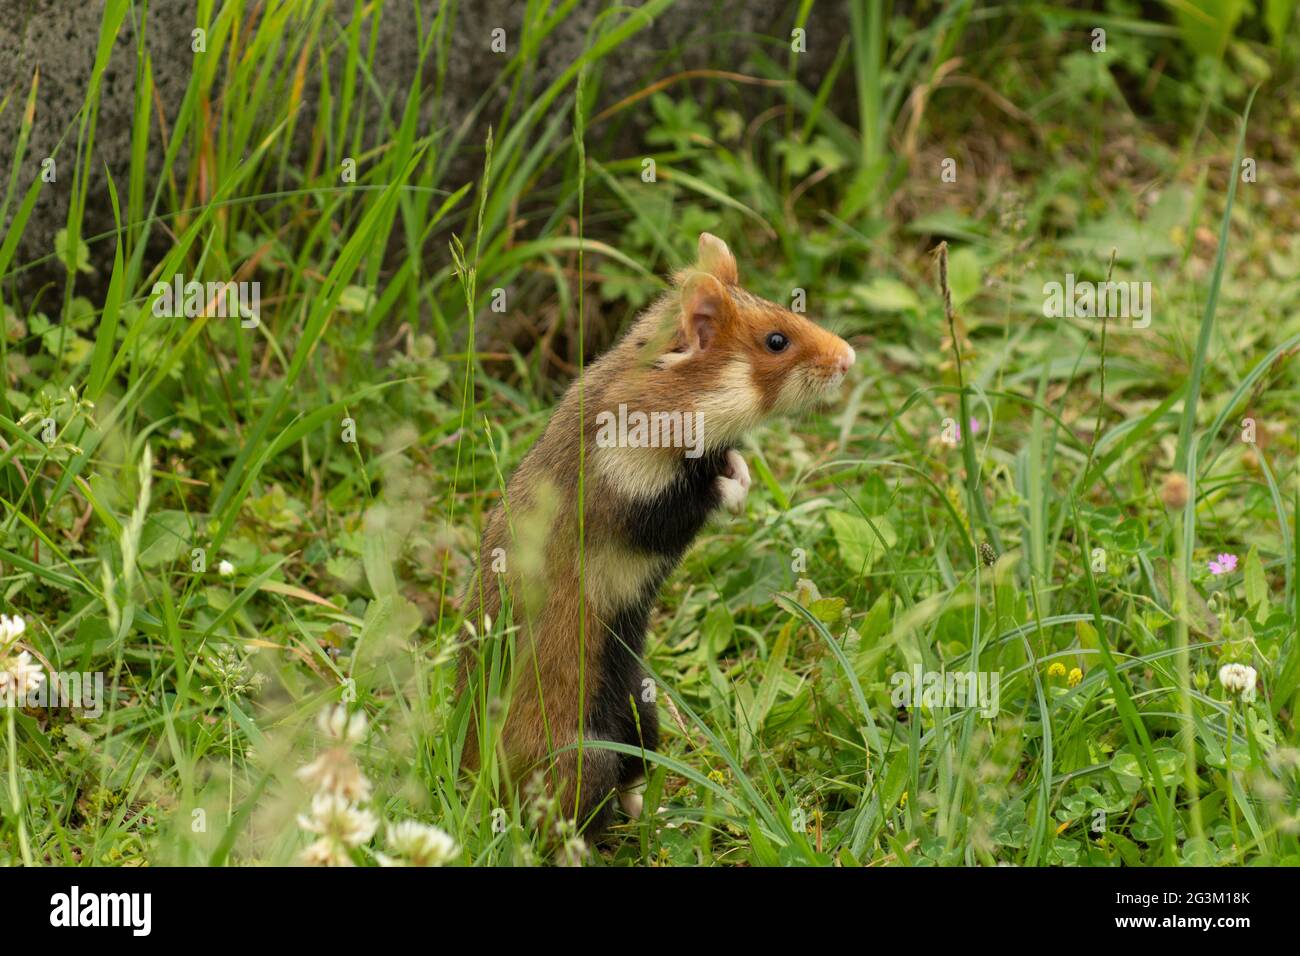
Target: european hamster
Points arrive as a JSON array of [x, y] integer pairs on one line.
[[662, 413]]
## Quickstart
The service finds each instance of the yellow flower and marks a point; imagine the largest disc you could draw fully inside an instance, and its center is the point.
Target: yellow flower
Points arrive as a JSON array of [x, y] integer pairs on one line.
[[1057, 669], [902, 801], [718, 777], [1076, 675]]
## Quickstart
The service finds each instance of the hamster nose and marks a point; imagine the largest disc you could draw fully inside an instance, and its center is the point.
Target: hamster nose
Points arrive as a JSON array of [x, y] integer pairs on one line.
[[846, 360]]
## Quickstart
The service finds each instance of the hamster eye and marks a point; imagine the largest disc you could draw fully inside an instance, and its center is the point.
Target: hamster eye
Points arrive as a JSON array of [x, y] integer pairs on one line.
[[776, 342]]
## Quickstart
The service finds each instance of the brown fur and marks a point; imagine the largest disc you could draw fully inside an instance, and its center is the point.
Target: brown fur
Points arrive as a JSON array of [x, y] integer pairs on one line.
[[700, 347]]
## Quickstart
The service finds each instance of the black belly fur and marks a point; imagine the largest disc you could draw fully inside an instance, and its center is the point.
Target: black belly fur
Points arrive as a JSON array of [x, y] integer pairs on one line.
[[619, 711], [669, 522], [664, 526]]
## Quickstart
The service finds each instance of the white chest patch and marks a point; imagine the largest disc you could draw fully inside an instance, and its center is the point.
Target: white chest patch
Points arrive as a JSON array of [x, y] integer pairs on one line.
[[732, 407], [638, 474]]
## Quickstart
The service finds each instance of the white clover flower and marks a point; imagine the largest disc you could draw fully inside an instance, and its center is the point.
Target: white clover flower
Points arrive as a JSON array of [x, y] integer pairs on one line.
[[225, 569], [334, 771], [420, 844], [11, 628], [337, 724], [326, 852], [339, 819], [1238, 679], [19, 677]]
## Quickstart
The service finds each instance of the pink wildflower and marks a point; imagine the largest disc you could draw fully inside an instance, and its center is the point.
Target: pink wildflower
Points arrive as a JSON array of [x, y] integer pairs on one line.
[[1225, 564]]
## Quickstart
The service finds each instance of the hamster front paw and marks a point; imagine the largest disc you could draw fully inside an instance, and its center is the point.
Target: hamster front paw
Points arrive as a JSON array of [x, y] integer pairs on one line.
[[733, 483]]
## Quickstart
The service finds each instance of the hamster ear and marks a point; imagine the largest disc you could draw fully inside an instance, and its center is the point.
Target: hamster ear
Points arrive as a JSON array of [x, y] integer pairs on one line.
[[702, 312], [716, 259]]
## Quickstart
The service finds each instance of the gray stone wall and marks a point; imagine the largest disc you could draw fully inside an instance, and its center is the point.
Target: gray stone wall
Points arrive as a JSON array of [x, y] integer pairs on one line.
[[59, 38]]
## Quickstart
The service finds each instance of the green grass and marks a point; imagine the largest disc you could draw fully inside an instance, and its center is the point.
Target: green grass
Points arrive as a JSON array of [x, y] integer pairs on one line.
[[872, 543]]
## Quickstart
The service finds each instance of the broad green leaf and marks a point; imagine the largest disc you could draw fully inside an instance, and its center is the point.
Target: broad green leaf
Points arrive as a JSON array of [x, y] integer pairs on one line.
[[858, 545], [1256, 585], [883, 294]]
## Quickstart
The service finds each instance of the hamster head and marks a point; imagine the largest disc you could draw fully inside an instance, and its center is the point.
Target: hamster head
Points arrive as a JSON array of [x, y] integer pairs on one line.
[[741, 358]]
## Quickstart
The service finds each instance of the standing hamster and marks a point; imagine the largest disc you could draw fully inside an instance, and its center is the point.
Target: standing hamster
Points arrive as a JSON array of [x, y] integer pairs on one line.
[[656, 420]]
